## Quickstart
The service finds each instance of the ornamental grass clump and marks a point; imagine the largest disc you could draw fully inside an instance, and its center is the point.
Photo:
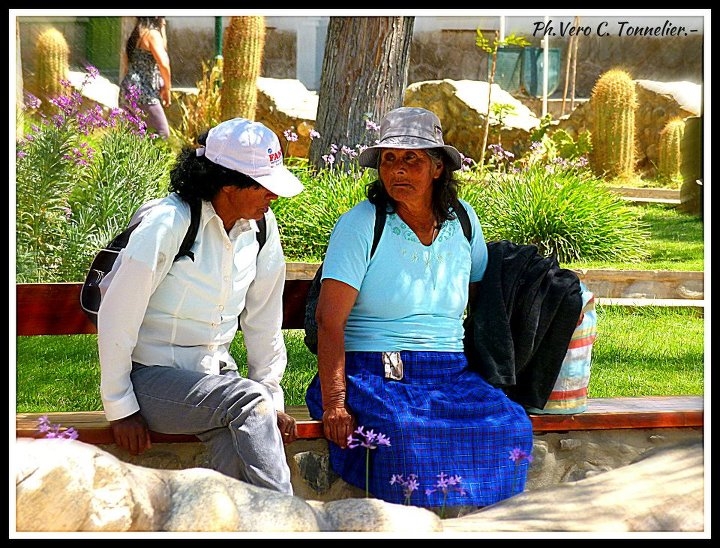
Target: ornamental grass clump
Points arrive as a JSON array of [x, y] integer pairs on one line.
[[306, 220], [562, 209]]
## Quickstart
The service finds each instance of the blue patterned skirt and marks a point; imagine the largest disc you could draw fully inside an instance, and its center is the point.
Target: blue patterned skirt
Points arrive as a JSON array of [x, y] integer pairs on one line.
[[441, 418]]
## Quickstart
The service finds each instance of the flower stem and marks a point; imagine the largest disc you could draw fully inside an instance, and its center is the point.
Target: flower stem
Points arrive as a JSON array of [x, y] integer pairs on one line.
[[367, 473]]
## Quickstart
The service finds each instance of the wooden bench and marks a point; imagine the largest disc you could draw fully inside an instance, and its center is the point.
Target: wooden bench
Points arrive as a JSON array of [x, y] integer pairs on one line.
[[53, 309]]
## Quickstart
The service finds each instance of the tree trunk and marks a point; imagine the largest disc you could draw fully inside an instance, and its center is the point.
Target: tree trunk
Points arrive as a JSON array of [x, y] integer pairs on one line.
[[364, 75]]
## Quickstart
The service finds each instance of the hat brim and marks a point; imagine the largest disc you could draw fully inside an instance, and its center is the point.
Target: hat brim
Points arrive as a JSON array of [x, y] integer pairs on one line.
[[281, 182], [369, 156]]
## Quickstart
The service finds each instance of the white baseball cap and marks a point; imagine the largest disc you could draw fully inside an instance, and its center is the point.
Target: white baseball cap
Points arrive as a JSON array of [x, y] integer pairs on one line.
[[254, 150]]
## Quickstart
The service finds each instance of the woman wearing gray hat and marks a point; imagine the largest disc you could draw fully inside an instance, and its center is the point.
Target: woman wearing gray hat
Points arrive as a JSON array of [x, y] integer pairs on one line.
[[165, 327], [390, 336]]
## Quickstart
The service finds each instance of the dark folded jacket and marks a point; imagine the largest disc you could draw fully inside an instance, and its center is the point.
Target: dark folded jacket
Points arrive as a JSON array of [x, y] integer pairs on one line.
[[521, 322]]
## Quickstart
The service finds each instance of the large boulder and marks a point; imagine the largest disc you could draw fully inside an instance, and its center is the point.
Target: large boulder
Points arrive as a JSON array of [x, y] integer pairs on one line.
[[64, 485], [462, 106]]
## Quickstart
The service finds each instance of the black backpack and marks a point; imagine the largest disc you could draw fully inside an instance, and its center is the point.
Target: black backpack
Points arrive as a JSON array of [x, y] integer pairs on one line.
[[103, 262], [311, 328]]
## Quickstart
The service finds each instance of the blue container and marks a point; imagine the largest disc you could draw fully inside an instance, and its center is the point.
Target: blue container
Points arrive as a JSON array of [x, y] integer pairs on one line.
[[508, 68], [532, 70]]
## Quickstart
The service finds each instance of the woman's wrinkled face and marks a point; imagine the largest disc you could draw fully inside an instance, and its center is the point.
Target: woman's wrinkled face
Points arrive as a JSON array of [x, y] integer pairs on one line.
[[408, 174]]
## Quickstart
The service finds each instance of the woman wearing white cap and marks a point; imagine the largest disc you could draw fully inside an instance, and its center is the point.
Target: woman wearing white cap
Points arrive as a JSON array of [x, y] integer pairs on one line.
[[390, 336], [165, 327]]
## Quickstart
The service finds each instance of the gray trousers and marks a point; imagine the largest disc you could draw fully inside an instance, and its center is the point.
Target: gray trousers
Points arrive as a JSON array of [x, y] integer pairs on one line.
[[157, 119], [235, 417]]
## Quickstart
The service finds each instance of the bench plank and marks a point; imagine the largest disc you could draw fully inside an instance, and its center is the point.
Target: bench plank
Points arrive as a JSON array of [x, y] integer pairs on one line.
[[92, 427], [601, 414], [54, 308]]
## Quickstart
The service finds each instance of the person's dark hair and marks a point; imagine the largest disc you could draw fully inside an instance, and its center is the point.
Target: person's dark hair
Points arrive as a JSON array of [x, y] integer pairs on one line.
[[444, 194], [196, 177], [141, 23]]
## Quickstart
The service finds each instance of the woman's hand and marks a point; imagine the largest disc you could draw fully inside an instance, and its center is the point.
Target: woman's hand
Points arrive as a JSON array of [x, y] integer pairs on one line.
[[165, 96], [338, 425], [132, 433], [287, 426]]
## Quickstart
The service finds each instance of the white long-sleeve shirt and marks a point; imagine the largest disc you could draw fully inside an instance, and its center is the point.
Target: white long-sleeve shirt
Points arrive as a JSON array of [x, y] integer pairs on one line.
[[184, 314]]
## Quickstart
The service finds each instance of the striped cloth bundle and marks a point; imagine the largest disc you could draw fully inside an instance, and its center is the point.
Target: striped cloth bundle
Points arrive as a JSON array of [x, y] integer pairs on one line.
[[569, 394]]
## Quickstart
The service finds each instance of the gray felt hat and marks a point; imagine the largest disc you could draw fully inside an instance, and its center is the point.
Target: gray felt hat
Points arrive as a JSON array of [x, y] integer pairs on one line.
[[412, 128]]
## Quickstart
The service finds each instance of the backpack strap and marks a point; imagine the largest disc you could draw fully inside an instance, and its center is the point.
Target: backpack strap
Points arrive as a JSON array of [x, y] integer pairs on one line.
[[464, 219], [191, 234], [380, 215], [261, 234]]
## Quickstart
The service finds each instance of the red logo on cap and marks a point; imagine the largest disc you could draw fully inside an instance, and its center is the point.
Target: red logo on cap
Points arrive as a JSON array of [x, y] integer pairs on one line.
[[274, 157]]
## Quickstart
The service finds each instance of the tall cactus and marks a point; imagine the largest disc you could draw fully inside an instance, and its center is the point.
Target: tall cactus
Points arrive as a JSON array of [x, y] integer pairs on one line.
[[669, 149], [243, 48], [52, 66], [614, 102]]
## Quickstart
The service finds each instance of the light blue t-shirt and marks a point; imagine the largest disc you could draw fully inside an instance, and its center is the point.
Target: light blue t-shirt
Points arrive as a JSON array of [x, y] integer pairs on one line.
[[411, 296]]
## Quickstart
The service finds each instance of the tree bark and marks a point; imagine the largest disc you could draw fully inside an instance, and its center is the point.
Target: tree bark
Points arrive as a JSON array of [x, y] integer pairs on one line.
[[364, 75]]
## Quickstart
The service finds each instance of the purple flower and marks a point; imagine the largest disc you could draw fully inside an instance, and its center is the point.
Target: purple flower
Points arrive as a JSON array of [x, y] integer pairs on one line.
[[371, 126], [347, 151], [53, 431], [369, 440], [408, 485], [518, 455], [314, 134], [446, 484]]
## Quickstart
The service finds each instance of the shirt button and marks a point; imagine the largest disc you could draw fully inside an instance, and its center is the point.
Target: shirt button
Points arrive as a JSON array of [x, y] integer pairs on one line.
[[226, 278], [221, 308], [212, 348], [227, 245]]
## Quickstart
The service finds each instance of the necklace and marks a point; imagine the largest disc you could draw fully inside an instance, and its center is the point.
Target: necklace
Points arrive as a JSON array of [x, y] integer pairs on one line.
[[435, 232], [424, 232]]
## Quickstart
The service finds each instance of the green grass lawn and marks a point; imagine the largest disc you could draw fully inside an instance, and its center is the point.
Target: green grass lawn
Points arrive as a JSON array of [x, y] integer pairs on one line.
[[638, 352]]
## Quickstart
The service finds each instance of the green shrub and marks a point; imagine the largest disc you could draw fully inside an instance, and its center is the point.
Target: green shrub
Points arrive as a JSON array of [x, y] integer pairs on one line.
[[306, 220], [561, 209], [79, 179]]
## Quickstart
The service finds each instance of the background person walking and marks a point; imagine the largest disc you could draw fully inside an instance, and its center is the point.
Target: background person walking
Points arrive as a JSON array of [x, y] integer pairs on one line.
[[146, 73]]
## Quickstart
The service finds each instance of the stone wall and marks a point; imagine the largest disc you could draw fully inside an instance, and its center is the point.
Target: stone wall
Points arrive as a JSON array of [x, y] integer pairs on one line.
[[434, 55], [558, 458], [453, 54]]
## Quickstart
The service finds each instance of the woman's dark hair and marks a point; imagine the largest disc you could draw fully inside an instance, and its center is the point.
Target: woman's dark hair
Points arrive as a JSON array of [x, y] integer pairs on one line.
[[154, 23], [196, 177], [444, 194]]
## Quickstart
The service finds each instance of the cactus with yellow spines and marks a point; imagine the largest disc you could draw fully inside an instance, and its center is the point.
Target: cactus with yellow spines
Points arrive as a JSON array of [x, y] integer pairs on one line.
[[614, 103], [243, 48], [52, 66], [669, 149]]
